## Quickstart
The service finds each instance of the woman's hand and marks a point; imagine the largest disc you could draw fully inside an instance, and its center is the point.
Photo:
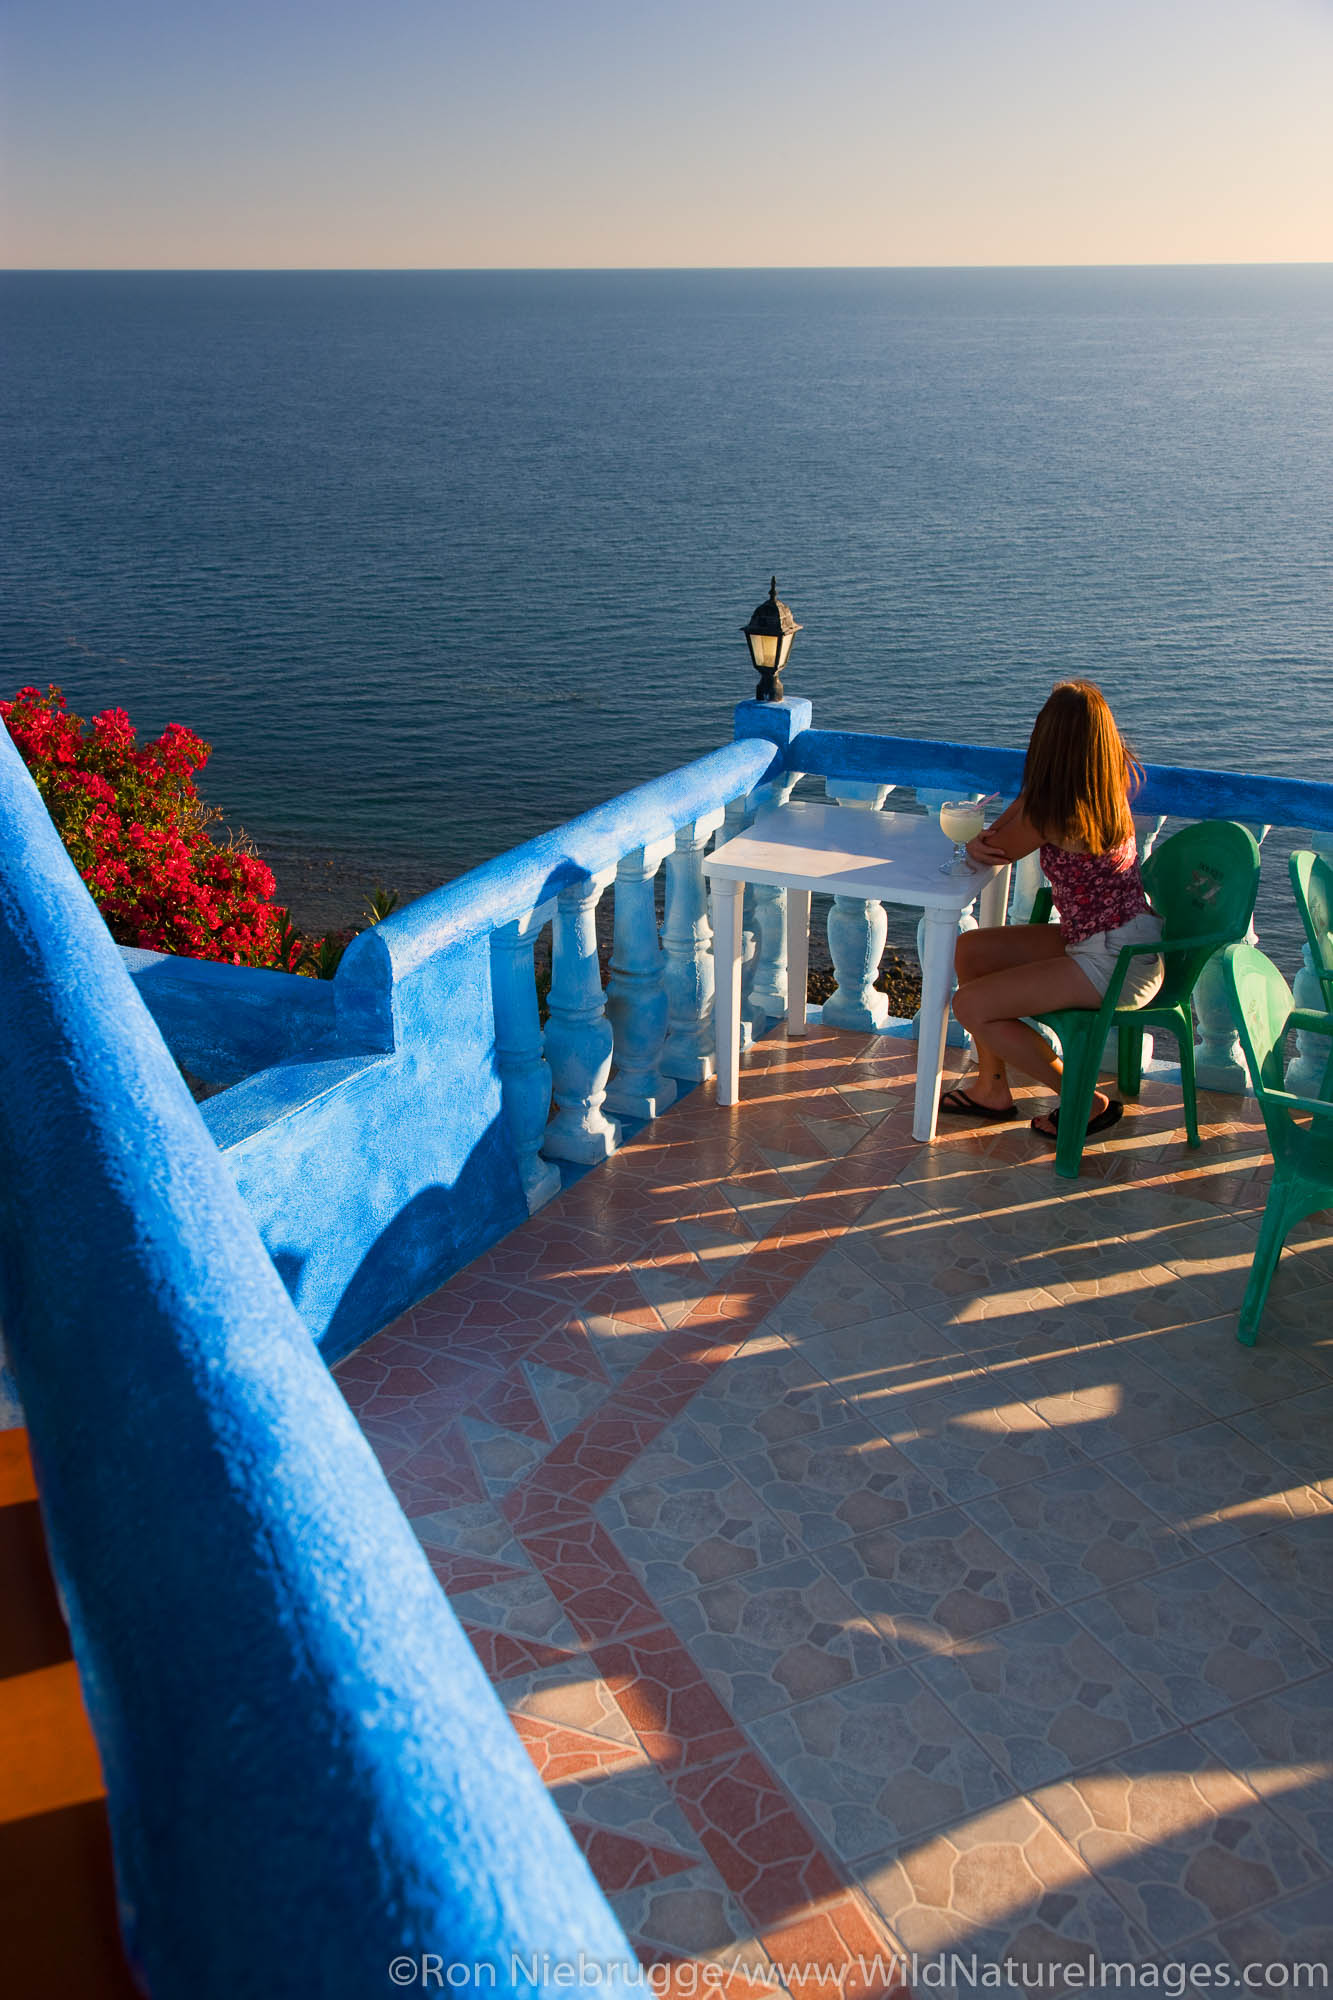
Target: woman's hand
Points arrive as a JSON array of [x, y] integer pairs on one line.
[[1006, 839], [987, 849]]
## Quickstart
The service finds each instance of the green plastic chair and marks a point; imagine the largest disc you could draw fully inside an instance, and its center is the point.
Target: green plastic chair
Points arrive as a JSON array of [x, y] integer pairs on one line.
[[1312, 882], [1202, 883], [1261, 1005]]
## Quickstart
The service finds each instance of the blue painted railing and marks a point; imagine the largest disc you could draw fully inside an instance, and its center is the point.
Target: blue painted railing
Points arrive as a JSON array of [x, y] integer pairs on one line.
[[308, 1775], [1179, 791]]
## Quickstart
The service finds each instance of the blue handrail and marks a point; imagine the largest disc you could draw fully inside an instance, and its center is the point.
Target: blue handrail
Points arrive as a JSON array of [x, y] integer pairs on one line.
[[308, 1774], [1182, 791]]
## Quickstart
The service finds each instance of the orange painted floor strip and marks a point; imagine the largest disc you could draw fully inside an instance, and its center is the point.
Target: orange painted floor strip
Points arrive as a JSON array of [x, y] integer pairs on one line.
[[57, 1882]]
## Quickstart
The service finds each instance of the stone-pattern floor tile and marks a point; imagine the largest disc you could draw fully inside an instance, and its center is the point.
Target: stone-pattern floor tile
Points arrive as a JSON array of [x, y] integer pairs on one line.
[[563, 1400], [1198, 1641], [975, 1435], [692, 1920], [632, 1799], [1295, 1932], [502, 1457], [878, 1763], [457, 1572], [570, 1693], [620, 1861], [1178, 1839], [767, 1395], [875, 1365], [696, 1529], [1290, 1571], [1044, 1698], [778, 1636], [1106, 1400], [976, 1389], [619, 1344], [1078, 1531], [427, 1476], [674, 1453], [759, 1846], [863, 1961], [667, 1701], [523, 1606], [1004, 1885], [475, 1529], [935, 1582], [1214, 1486], [1301, 1318], [599, 1594], [1296, 1433], [843, 1294], [560, 1752], [503, 1654], [1283, 1744], [1207, 1362], [832, 1484]]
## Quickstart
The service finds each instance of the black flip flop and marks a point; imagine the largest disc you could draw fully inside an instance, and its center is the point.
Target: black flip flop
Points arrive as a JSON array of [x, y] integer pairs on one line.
[[1103, 1122], [957, 1104]]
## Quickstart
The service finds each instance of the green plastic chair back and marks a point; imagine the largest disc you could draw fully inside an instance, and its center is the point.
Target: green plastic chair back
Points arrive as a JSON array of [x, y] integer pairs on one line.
[[1202, 883], [1312, 882], [1261, 1006]]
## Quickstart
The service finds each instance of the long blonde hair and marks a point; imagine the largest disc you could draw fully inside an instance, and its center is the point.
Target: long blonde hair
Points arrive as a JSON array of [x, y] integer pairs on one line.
[[1079, 774]]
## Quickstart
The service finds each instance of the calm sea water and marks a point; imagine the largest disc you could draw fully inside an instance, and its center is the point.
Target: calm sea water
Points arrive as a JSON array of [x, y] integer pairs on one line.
[[436, 560]]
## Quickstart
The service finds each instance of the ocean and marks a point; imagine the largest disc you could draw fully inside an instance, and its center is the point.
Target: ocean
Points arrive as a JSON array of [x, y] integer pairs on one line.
[[437, 559]]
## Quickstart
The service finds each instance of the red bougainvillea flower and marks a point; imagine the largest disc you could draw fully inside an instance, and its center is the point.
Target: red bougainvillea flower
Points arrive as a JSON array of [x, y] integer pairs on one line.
[[139, 834]]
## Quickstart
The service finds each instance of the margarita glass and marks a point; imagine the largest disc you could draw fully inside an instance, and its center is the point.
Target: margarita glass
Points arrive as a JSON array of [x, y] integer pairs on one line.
[[961, 820]]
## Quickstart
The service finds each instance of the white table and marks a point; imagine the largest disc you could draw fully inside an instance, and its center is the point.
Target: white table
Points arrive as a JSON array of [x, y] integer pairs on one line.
[[845, 851]]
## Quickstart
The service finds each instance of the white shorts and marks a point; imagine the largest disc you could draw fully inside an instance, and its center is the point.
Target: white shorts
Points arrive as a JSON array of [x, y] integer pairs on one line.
[[1096, 956]]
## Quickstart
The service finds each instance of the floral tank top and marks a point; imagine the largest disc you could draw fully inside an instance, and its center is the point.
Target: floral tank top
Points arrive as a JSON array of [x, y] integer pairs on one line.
[[1094, 892]]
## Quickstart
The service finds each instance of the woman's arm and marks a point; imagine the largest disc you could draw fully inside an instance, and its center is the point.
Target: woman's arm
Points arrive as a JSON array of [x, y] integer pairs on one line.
[[1008, 838]]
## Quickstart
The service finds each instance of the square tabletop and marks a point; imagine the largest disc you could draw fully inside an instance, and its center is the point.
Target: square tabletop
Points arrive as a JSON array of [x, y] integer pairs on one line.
[[848, 851]]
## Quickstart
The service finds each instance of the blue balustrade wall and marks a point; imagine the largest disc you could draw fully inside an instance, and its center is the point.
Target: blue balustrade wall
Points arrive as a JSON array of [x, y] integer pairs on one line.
[[225, 1022], [308, 1774], [364, 1125], [1180, 791], [377, 1171]]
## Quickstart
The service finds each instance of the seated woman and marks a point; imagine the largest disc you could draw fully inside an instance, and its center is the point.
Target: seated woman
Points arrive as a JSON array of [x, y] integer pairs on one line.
[[1078, 779]]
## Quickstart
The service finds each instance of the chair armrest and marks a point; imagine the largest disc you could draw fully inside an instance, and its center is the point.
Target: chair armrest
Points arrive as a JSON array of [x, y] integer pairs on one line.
[[1320, 1106], [1310, 1023], [1165, 948], [1208, 941]]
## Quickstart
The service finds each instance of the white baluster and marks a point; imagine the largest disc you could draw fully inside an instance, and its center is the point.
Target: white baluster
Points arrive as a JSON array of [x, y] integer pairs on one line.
[[856, 933], [687, 938], [636, 999], [767, 996], [1219, 1060], [1313, 1059], [578, 1034], [525, 1074]]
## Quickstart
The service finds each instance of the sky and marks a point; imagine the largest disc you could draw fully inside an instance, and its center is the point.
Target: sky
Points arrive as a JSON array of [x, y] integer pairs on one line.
[[341, 134]]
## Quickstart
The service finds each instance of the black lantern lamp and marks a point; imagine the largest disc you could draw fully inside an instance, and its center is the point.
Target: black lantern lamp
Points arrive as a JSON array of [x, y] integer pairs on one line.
[[770, 632]]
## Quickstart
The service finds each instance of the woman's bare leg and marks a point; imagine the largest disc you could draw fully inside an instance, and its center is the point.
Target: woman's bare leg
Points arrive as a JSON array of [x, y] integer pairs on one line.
[[980, 954], [991, 1008]]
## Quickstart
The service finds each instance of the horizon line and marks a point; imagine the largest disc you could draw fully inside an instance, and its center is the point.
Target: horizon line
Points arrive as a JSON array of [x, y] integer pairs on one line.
[[609, 270]]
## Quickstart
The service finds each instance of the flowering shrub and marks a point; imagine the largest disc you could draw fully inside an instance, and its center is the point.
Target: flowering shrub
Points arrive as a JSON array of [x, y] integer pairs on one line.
[[138, 833]]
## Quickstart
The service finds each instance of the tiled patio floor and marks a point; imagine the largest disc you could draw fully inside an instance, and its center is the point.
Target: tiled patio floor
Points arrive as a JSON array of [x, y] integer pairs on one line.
[[886, 1547]]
